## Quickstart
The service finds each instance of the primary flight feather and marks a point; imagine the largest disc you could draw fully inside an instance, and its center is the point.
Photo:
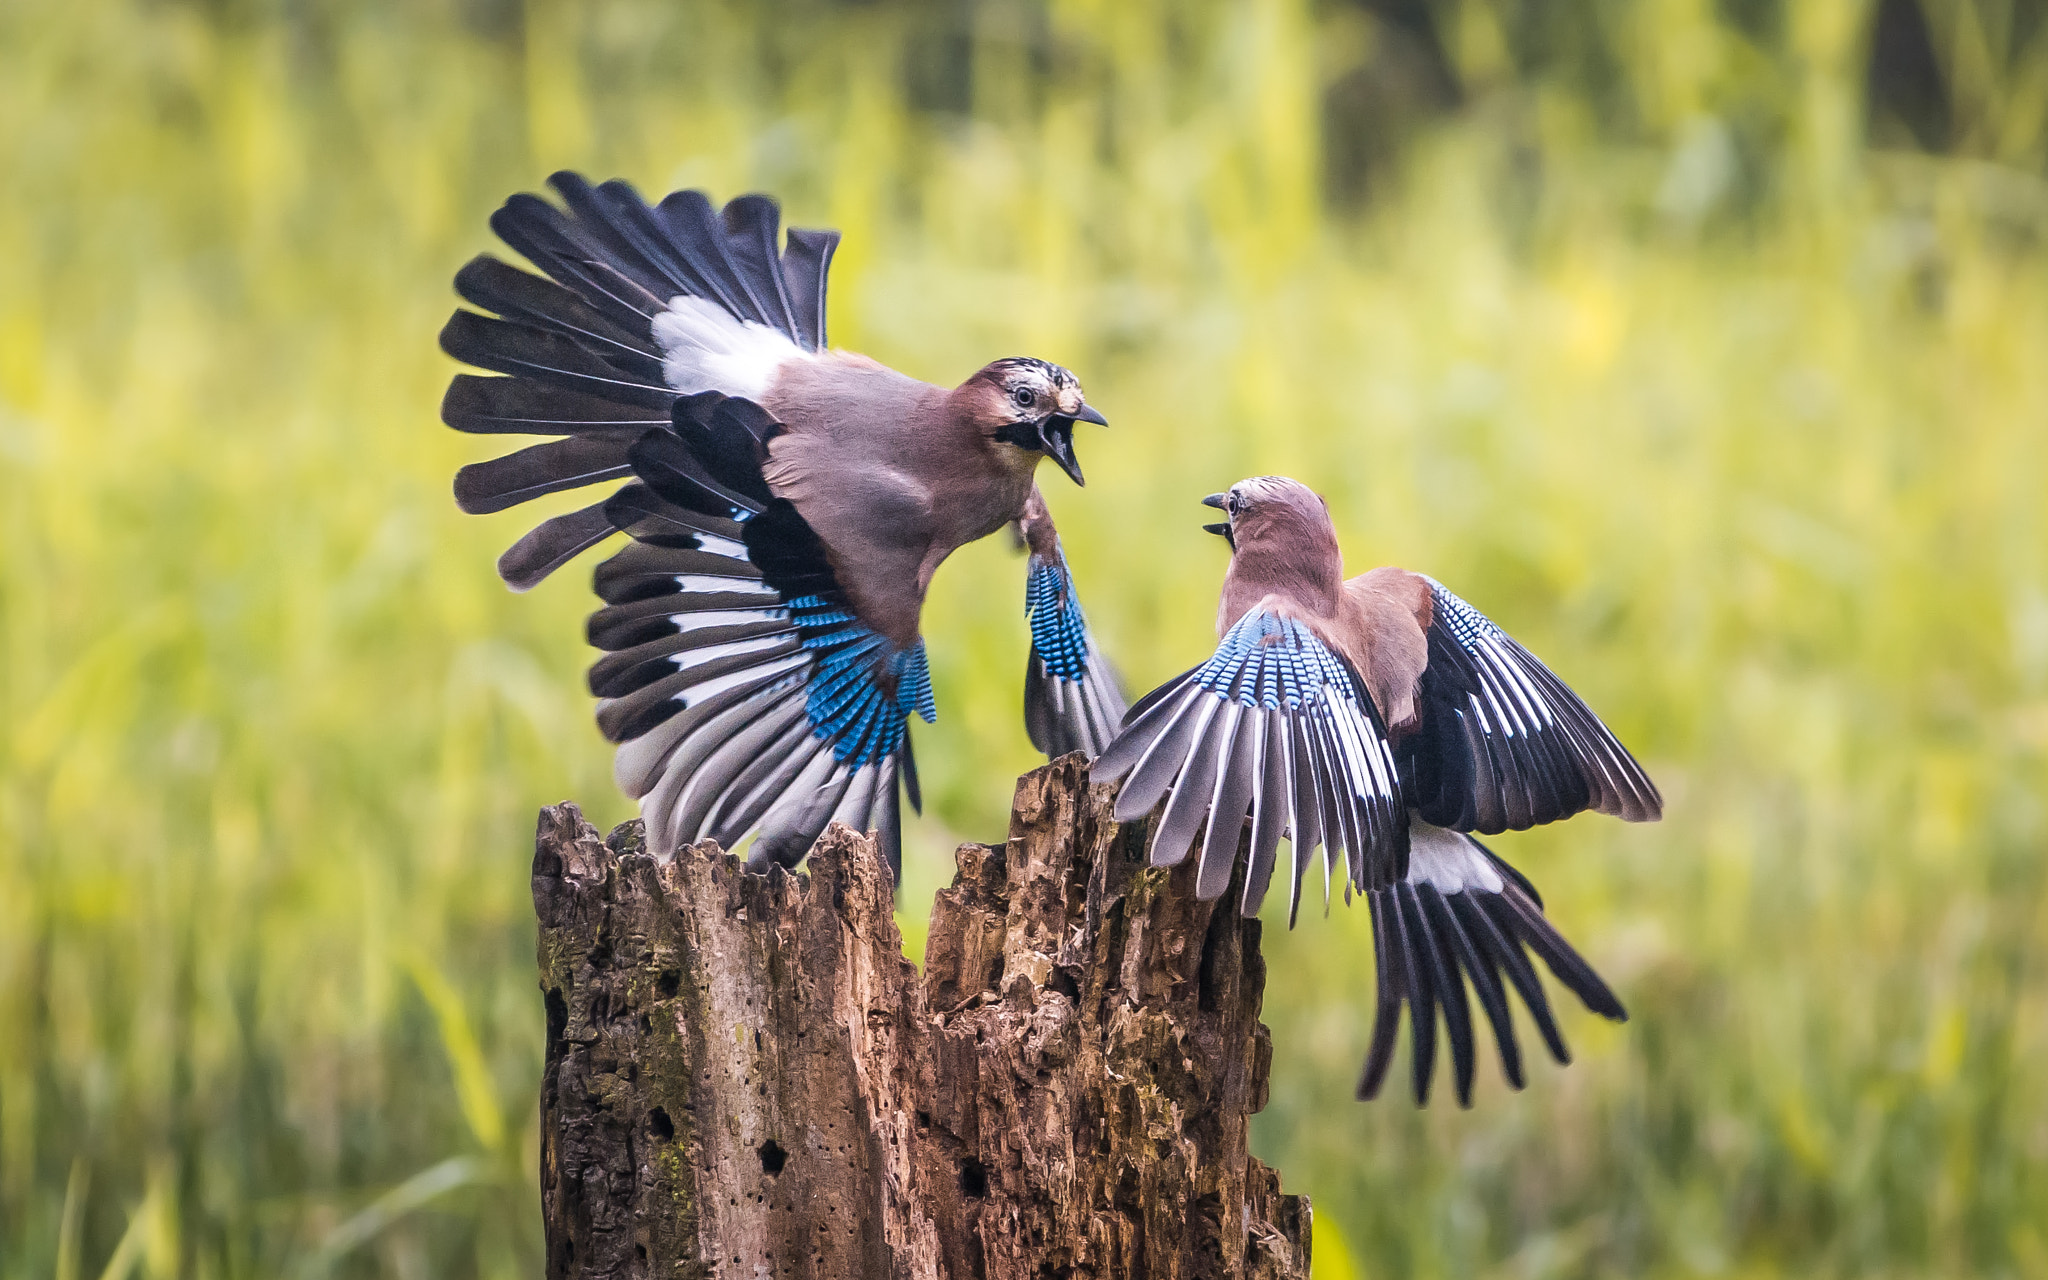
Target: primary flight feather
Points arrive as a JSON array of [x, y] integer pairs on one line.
[[787, 505]]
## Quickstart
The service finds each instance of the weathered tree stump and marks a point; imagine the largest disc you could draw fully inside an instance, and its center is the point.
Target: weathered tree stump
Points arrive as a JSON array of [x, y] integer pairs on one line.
[[746, 1079]]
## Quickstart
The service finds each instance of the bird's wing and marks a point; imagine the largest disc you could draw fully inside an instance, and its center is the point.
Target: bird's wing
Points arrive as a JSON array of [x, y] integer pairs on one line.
[[1275, 726], [1462, 915], [639, 305], [1072, 698], [745, 693], [1503, 744]]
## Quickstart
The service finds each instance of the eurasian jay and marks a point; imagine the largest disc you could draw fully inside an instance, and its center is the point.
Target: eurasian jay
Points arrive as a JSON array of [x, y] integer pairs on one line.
[[1386, 721], [787, 505]]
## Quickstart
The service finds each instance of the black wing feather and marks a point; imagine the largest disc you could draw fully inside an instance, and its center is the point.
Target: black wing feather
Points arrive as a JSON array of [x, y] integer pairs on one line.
[[551, 544], [1504, 745], [521, 406], [519, 295], [508, 347], [483, 487]]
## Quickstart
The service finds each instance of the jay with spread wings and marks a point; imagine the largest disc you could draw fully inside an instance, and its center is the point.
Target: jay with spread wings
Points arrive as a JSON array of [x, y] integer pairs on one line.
[[1387, 722], [786, 505]]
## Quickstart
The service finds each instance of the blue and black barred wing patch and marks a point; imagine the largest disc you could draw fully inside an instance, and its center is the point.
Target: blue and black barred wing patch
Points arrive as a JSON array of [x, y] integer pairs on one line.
[[1462, 915], [1072, 701], [1503, 743], [1276, 727], [753, 702]]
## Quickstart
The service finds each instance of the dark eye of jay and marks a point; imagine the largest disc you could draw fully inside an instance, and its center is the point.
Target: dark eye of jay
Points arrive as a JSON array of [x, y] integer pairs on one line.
[[1040, 426]]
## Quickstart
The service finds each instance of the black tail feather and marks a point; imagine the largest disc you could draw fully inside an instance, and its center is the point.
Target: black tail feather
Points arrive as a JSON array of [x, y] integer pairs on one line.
[[699, 237], [605, 216], [1428, 944], [907, 760], [1386, 1019], [1569, 966], [753, 225], [1503, 946], [1431, 917], [1485, 976], [806, 259], [1415, 977]]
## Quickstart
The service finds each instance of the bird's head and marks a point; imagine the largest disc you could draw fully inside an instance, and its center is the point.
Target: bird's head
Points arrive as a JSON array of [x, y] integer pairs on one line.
[[1033, 405], [1281, 540], [1271, 508]]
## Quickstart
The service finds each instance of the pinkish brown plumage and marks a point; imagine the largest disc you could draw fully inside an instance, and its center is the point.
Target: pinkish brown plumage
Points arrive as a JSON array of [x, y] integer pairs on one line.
[[1383, 720], [788, 505]]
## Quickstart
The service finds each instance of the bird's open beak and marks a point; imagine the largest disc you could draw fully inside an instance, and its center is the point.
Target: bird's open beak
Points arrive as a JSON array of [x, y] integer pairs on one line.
[[1222, 527], [1056, 437]]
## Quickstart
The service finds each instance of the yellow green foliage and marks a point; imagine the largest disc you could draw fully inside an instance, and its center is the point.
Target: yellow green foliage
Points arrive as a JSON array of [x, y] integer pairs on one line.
[[1742, 424]]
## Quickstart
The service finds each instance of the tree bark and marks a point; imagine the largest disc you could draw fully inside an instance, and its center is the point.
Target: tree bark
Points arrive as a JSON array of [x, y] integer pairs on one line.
[[745, 1078]]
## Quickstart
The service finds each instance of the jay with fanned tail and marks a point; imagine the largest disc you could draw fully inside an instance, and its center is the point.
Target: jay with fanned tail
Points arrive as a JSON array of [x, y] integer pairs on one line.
[[786, 505], [1387, 722]]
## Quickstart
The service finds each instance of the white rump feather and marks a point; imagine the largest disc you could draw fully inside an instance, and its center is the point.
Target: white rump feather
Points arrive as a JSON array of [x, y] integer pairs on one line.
[[705, 349]]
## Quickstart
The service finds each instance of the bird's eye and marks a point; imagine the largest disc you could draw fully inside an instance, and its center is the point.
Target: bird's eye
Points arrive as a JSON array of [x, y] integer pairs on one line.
[[1024, 397]]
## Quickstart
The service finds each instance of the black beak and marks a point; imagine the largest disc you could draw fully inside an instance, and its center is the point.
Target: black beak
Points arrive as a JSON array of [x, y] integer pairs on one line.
[[1222, 527], [1056, 437], [1087, 414]]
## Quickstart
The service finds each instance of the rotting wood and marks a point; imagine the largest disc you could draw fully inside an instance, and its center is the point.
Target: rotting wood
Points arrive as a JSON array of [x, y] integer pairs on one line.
[[744, 1077]]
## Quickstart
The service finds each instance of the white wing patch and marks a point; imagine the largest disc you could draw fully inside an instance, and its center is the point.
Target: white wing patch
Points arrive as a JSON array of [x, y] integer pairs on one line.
[[704, 348], [1447, 860]]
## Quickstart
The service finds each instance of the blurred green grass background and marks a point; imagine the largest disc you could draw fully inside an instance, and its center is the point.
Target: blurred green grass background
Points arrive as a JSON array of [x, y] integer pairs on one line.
[[1702, 343]]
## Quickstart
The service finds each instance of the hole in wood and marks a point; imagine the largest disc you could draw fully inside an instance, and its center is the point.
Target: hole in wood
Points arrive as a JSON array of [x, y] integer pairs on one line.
[[558, 1016], [663, 1127], [974, 1179], [773, 1157]]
